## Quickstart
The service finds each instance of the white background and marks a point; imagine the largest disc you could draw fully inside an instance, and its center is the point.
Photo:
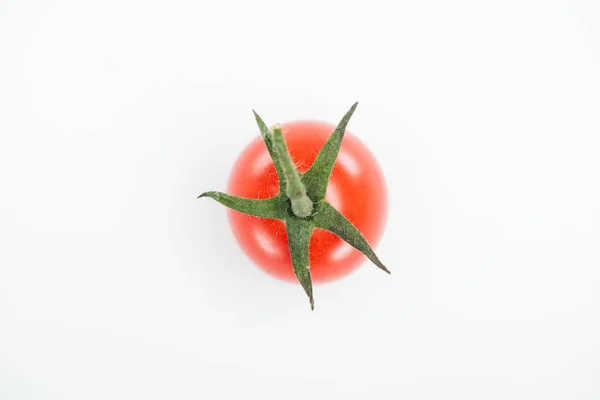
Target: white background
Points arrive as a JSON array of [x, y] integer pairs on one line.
[[115, 283]]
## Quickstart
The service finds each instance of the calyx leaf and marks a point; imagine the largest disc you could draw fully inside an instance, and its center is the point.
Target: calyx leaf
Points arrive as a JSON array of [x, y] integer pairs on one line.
[[267, 136], [300, 226], [317, 176], [299, 232], [330, 219], [273, 208]]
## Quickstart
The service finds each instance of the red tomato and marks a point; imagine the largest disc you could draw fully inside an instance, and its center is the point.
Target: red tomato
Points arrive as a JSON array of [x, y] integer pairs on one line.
[[356, 188]]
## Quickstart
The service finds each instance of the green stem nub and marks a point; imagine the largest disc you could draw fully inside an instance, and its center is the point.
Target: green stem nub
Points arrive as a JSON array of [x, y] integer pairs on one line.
[[295, 190]]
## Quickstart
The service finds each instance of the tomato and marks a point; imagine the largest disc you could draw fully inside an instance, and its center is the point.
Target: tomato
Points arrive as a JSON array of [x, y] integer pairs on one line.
[[356, 188]]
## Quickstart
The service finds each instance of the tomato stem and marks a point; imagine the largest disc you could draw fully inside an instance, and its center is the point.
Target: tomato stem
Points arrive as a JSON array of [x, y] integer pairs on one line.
[[295, 190]]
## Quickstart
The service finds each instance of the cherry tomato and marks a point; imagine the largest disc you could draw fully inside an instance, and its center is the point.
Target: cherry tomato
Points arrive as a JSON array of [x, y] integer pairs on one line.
[[356, 188]]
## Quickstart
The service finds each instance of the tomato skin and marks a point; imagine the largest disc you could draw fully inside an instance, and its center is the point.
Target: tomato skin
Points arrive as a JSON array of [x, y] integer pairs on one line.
[[356, 188]]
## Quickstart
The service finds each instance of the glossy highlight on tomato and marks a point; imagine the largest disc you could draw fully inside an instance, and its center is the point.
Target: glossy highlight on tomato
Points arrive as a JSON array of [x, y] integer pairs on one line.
[[356, 188]]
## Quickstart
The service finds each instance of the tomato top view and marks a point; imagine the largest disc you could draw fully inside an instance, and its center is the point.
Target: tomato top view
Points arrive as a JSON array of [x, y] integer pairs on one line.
[[307, 201]]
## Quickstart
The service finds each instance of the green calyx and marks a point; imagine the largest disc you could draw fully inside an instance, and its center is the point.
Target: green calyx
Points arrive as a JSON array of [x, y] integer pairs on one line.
[[301, 200]]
